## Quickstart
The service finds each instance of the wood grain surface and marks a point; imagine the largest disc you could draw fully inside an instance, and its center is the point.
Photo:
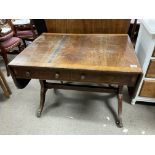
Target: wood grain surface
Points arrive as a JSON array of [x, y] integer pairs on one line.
[[85, 26], [98, 52], [147, 89], [151, 70]]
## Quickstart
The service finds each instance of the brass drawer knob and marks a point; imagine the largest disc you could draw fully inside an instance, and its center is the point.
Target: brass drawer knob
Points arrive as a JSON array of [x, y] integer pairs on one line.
[[57, 75], [83, 77], [27, 74]]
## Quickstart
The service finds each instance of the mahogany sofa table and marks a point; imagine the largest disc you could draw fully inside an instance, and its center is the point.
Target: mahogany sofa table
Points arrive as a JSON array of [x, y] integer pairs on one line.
[[85, 58]]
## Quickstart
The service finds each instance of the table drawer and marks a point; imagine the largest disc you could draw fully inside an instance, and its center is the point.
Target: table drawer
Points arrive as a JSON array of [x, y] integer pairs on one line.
[[148, 89], [97, 77], [151, 70], [37, 73]]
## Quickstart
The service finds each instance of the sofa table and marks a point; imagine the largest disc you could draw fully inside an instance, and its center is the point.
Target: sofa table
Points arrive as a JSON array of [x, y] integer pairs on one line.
[[85, 58]]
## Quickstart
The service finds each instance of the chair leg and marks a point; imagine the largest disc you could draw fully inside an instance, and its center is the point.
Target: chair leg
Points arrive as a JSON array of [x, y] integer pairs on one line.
[[24, 42], [4, 55], [4, 85], [19, 47]]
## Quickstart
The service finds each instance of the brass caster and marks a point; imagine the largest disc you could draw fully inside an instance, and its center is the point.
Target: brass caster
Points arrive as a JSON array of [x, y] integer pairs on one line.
[[39, 113], [119, 124]]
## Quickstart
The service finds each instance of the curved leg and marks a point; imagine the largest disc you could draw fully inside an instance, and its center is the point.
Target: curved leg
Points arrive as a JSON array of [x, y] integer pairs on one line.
[[19, 47], [42, 97], [120, 97], [24, 42]]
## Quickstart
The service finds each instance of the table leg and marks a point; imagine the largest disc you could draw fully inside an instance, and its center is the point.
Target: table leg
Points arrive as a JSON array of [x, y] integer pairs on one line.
[[42, 97], [120, 97]]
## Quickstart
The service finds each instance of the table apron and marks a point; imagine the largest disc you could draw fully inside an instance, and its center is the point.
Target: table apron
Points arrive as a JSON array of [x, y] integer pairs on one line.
[[74, 75]]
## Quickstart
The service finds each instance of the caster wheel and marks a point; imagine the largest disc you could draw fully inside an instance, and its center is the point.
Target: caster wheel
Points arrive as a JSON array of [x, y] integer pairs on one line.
[[119, 124], [39, 113]]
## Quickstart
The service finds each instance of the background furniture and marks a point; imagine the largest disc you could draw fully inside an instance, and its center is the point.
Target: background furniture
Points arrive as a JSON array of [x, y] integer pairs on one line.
[[89, 26], [133, 30], [145, 50], [85, 26], [40, 25], [24, 29], [4, 85], [7, 43], [82, 25]]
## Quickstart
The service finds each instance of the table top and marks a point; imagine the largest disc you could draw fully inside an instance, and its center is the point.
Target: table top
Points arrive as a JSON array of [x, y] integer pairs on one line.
[[99, 52]]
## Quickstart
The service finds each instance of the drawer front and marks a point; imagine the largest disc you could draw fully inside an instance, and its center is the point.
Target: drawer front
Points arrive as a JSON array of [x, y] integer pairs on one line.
[[97, 77], [47, 74], [151, 70], [153, 53], [76, 76], [148, 89]]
